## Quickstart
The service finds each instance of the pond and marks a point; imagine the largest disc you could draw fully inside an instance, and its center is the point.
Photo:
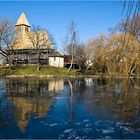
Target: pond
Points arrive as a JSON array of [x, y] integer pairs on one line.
[[68, 108]]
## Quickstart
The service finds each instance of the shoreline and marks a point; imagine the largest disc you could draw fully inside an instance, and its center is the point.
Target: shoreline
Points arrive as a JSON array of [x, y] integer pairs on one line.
[[63, 76], [51, 72]]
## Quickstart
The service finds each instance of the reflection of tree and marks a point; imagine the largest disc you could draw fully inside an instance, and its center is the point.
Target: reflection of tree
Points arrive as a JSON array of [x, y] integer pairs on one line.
[[113, 98], [79, 85], [31, 97], [71, 105], [76, 88], [130, 98], [71, 88], [116, 97]]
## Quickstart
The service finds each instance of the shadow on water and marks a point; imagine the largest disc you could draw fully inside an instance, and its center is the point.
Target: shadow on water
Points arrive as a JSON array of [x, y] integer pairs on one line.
[[72, 108]]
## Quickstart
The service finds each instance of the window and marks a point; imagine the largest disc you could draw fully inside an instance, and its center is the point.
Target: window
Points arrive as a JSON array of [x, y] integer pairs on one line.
[[26, 29], [54, 58], [18, 28]]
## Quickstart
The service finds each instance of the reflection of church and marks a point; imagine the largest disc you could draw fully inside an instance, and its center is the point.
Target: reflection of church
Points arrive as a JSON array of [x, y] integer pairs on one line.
[[34, 88], [55, 85], [29, 97], [24, 107]]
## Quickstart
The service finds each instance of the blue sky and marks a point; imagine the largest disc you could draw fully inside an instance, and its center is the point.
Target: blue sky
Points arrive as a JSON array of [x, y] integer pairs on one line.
[[91, 17]]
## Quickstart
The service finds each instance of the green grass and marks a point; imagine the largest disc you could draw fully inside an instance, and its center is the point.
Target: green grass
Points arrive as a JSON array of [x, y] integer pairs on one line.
[[4, 71], [32, 70]]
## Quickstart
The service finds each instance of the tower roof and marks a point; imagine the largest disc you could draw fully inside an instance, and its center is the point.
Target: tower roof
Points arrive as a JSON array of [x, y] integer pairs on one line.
[[22, 20]]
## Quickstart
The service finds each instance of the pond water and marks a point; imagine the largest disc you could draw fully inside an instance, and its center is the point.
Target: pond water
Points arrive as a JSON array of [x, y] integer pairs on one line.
[[83, 108]]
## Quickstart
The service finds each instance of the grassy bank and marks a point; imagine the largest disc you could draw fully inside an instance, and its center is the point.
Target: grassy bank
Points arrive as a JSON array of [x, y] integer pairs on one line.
[[32, 71]]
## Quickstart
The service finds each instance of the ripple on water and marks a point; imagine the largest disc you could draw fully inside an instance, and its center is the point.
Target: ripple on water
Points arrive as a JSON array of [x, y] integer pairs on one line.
[[107, 131], [126, 129], [54, 124], [68, 131]]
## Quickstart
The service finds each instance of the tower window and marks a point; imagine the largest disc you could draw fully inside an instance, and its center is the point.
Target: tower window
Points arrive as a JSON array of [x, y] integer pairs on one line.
[[26, 29], [19, 29]]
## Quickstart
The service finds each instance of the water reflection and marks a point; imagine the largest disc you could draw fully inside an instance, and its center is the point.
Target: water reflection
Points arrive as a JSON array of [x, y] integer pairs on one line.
[[72, 108], [33, 87], [31, 97], [118, 97]]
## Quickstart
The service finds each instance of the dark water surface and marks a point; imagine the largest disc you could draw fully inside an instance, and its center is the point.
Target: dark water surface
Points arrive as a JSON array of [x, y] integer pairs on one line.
[[84, 108]]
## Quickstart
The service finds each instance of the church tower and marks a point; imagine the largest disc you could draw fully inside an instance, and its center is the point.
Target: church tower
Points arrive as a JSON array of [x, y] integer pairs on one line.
[[22, 26]]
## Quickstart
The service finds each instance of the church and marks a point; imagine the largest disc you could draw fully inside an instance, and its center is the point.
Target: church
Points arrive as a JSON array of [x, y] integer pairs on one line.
[[24, 52]]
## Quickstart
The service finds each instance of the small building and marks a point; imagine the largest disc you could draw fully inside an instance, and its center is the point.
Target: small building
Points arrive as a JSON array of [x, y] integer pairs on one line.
[[23, 51], [67, 62]]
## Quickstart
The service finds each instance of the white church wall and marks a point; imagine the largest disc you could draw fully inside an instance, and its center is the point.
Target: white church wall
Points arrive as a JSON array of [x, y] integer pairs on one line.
[[56, 61], [56, 85]]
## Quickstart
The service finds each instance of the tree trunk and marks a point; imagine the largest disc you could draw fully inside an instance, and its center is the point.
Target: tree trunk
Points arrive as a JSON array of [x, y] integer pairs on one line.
[[132, 69], [71, 64], [108, 69], [80, 68], [38, 62]]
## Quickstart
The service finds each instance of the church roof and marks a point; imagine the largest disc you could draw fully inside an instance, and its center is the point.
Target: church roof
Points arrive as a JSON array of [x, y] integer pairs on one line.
[[22, 20]]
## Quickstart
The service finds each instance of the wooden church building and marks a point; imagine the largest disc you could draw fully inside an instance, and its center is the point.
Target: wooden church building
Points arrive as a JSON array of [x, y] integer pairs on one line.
[[23, 51]]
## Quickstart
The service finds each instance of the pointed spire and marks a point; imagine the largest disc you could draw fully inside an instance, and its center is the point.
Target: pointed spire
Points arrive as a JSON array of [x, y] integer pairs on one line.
[[22, 20]]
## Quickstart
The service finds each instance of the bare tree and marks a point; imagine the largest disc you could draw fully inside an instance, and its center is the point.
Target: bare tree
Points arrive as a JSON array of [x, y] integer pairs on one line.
[[95, 52], [79, 56], [131, 26], [40, 39], [7, 39], [71, 41], [131, 8]]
